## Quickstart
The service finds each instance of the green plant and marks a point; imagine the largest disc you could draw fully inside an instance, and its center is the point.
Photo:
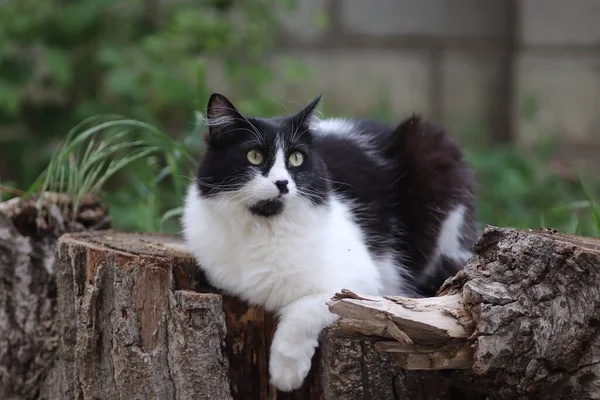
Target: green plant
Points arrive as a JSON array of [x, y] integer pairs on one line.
[[63, 62], [157, 62], [8, 190], [519, 189], [592, 204], [95, 150]]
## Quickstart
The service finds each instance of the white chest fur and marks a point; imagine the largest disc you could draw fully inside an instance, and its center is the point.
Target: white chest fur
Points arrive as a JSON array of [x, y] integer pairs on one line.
[[272, 262]]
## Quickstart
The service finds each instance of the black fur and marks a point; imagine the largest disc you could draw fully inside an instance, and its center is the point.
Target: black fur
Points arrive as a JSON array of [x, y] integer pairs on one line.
[[224, 167], [267, 208], [403, 203], [402, 188], [433, 178]]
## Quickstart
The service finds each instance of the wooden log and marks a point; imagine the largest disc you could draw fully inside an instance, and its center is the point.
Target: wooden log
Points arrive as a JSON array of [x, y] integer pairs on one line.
[[523, 317], [135, 319], [125, 333], [429, 334], [28, 335], [138, 320]]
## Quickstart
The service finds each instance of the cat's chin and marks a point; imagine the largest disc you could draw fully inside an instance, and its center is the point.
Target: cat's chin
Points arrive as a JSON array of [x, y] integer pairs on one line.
[[267, 208]]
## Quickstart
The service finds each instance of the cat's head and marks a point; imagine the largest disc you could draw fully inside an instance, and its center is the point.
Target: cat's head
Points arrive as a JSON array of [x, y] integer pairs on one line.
[[264, 165]]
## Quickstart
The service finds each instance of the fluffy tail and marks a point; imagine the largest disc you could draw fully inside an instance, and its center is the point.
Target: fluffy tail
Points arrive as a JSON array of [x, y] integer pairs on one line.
[[435, 203]]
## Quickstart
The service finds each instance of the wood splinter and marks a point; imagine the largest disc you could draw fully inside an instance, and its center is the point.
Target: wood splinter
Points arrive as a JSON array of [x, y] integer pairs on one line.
[[520, 320], [430, 333]]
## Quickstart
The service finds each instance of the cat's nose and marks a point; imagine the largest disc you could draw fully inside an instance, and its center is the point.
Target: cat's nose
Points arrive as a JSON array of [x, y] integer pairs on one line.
[[282, 186]]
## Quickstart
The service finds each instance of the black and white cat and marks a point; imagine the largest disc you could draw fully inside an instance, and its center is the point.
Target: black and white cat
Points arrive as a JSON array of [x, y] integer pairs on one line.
[[286, 211]]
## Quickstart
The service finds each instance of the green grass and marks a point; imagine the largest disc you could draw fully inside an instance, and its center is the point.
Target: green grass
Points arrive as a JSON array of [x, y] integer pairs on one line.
[[141, 161], [142, 174], [519, 189]]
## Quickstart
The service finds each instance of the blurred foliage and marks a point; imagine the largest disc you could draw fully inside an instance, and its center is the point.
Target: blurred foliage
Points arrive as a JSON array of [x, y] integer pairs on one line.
[[64, 62], [149, 60], [527, 189]]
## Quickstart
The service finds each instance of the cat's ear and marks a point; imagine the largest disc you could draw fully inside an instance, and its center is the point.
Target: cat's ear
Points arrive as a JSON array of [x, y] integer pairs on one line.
[[221, 114], [308, 113]]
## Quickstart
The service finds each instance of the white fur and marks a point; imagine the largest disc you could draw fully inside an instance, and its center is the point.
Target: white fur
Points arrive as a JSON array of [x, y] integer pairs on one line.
[[450, 235], [448, 243], [395, 276], [336, 126], [278, 170], [220, 121], [347, 128], [290, 264]]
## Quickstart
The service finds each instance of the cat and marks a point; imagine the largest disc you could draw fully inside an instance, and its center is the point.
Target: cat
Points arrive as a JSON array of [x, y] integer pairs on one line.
[[284, 212]]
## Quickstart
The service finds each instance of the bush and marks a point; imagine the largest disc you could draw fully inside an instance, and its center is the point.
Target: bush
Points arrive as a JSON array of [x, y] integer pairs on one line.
[[62, 62], [521, 189]]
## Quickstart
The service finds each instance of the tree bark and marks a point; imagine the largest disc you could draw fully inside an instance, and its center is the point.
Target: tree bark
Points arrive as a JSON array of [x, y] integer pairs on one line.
[[522, 318], [428, 334], [135, 319], [28, 338], [138, 320], [28, 335], [125, 334]]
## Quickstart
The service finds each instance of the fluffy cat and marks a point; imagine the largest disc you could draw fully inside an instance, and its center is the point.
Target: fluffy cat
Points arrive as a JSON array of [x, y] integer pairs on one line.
[[286, 211]]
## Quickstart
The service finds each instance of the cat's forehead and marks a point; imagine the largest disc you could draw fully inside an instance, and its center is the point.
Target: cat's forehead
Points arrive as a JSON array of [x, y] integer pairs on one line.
[[280, 130]]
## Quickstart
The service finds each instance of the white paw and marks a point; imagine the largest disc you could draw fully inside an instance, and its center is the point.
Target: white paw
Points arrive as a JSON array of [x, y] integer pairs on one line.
[[290, 361]]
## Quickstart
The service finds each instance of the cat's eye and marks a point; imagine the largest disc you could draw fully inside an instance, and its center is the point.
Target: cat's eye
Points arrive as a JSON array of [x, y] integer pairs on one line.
[[255, 157], [296, 159]]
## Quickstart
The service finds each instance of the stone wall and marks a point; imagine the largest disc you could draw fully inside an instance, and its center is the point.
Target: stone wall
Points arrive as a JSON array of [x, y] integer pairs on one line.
[[559, 62], [489, 70]]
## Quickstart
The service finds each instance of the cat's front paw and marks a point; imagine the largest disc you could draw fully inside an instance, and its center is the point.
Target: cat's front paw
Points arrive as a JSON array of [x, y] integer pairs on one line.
[[290, 362]]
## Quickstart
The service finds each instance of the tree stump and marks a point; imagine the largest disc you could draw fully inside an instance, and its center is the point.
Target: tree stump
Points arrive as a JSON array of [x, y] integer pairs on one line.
[[523, 317], [137, 320], [28, 335], [28, 338]]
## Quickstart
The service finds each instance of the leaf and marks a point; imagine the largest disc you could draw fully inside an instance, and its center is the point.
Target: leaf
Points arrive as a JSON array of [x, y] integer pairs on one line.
[[172, 213], [322, 20], [10, 98], [59, 65]]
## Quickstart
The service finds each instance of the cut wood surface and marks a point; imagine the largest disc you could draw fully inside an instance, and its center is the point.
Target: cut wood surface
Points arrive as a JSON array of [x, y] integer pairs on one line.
[[125, 333], [135, 319], [431, 333], [524, 316], [138, 321]]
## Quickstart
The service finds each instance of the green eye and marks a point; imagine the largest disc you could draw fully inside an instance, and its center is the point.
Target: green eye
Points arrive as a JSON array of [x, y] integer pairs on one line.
[[255, 157], [296, 159]]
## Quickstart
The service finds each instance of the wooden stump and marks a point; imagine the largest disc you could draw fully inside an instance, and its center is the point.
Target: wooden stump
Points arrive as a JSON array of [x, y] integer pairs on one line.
[[28, 334], [137, 320], [134, 319], [523, 318], [28, 337]]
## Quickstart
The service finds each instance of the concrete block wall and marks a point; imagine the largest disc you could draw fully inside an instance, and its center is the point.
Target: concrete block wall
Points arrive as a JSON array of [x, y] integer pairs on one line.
[[559, 64], [472, 65], [442, 59]]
